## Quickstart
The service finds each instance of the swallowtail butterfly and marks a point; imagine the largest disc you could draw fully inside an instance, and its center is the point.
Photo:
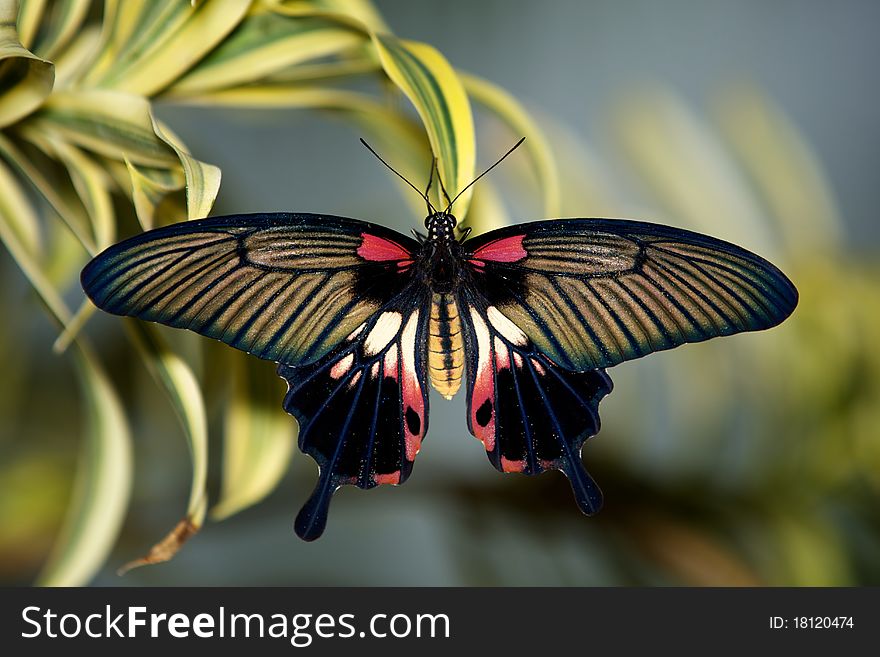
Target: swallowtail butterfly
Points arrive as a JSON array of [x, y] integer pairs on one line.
[[361, 319]]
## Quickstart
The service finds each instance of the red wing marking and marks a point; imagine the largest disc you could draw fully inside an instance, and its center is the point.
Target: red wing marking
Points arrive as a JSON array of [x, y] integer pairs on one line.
[[413, 401], [506, 249], [509, 465], [379, 249], [483, 395], [392, 478]]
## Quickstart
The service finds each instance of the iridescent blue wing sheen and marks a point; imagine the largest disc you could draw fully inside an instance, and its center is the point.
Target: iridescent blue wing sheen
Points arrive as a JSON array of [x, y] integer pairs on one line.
[[592, 293], [363, 407], [284, 287]]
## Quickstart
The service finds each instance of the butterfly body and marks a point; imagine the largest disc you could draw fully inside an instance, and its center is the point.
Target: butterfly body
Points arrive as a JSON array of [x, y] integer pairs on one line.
[[361, 319]]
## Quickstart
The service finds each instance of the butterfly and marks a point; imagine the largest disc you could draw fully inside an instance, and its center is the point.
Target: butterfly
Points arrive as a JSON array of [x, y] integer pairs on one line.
[[362, 319]]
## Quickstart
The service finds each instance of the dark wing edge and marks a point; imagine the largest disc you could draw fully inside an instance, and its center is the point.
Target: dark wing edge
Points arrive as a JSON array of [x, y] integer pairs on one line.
[[284, 287], [530, 415], [362, 409], [593, 293]]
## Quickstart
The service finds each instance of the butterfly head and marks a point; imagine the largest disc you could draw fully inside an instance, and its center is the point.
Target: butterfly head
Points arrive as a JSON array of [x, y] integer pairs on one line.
[[441, 226]]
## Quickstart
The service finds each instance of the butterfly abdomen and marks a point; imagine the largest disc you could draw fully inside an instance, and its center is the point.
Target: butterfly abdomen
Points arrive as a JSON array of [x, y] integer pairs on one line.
[[445, 351]]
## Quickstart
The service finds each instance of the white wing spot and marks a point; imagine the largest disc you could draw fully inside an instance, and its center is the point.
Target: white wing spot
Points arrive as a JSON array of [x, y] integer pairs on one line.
[[505, 327], [383, 332], [341, 368]]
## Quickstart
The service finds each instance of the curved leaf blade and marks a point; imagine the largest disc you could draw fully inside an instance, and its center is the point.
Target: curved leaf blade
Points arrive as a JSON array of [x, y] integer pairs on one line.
[[259, 437], [28, 79], [165, 41], [433, 87], [103, 481], [265, 43], [180, 385], [511, 112]]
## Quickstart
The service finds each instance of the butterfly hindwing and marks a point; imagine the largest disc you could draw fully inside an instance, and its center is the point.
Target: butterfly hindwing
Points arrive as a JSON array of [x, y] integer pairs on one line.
[[284, 287], [530, 414], [363, 407], [592, 293]]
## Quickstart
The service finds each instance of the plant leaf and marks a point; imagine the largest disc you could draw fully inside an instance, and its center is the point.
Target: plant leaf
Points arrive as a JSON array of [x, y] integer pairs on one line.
[[149, 186], [151, 46], [27, 79], [114, 124], [687, 168], [30, 14], [202, 179], [509, 110], [430, 83], [782, 167], [18, 213], [60, 24], [259, 436], [265, 43], [103, 481], [177, 380], [74, 218]]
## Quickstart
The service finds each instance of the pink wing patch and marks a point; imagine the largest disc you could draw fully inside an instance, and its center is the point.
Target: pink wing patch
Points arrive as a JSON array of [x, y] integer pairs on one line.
[[482, 406], [378, 249], [506, 249], [413, 395]]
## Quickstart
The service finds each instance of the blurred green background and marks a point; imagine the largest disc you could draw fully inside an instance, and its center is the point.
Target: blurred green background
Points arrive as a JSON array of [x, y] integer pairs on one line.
[[751, 460]]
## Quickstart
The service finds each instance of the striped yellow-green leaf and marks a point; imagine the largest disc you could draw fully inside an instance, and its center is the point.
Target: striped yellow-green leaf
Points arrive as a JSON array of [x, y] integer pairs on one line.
[[149, 187], [202, 179], [153, 43], [103, 480], [111, 123], [103, 483], [30, 13], [60, 22], [177, 380], [509, 110], [27, 79], [57, 193], [92, 185], [74, 60], [19, 215], [259, 437], [264, 43], [432, 85]]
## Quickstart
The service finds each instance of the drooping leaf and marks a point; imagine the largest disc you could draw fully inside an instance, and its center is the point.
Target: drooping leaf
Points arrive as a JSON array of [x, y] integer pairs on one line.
[[153, 44], [25, 79], [103, 480], [180, 385], [264, 43], [509, 110], [103, 483], [432, 85], [61, 21], [259, 436]]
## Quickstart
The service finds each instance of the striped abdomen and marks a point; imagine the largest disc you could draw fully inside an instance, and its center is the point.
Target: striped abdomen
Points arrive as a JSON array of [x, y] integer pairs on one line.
[[445, 353]]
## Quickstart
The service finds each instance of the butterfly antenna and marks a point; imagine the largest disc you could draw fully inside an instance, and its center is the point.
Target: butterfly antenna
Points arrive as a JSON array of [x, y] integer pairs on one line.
[[418, 191], [470, 184], [443, 189], [431, 209]]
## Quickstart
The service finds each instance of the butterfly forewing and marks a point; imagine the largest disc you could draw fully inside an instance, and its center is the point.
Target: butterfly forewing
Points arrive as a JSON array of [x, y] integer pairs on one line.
[[284, 287], [592, 293]]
